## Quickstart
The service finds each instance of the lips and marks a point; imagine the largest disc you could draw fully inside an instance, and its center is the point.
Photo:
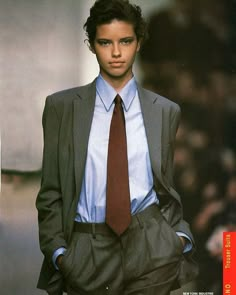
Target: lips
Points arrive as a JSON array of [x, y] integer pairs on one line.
[[116, 63]]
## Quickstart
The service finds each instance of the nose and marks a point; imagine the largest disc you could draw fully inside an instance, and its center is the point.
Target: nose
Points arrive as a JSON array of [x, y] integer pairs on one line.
[[116, 52]]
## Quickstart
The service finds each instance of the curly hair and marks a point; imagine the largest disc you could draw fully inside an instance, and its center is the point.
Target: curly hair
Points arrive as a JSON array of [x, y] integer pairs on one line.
[[105, 11]]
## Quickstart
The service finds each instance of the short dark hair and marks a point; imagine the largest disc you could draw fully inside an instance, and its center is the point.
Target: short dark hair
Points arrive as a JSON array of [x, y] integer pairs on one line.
[[105, 11]]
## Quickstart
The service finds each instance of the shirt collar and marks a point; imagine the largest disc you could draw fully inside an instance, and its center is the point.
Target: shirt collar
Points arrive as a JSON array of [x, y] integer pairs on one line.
[[107, 93]]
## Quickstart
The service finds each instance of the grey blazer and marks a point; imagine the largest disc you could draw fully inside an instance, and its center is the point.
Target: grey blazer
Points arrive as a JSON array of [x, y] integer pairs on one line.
[[67, 121]]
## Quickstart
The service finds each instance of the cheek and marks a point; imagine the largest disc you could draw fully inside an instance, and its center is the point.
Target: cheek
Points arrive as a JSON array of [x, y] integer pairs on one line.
[[99, 58], [131, 56], [102, 57]]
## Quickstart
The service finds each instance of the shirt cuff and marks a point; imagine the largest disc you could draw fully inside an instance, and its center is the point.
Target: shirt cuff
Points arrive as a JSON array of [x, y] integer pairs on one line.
[[59, 251], [189, 245]]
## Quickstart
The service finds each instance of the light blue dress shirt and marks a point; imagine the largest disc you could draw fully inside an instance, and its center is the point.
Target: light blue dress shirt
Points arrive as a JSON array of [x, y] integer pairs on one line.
[[92, 202]]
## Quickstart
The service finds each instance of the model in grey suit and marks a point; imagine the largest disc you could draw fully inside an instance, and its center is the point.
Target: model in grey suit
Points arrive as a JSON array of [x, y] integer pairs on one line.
[[70, 113], [152, 252]]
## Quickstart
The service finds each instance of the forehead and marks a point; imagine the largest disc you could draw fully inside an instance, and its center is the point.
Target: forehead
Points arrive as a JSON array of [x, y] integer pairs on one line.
[[115, 29]]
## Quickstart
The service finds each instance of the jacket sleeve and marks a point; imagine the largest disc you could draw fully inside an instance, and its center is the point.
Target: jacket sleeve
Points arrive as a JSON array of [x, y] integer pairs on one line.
[[175, 119], [49, 199], [177, 221]]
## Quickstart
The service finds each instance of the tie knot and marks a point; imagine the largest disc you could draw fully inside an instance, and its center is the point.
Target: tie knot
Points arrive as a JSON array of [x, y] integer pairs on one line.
[[118, 99]]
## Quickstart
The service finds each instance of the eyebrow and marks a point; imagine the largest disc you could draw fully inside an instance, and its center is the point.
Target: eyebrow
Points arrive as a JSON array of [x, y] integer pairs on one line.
[[128, 38], [121, 39]]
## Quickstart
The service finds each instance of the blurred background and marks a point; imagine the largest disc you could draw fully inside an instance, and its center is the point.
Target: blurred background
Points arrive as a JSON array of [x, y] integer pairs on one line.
[[189, 57]]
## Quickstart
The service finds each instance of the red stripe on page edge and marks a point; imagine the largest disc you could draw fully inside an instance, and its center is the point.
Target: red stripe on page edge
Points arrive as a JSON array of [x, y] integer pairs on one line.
[[229, 263]]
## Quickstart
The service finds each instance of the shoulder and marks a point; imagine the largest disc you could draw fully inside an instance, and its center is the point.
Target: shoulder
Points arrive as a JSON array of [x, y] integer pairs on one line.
[[66, 96], [61, 102], [159, 100]]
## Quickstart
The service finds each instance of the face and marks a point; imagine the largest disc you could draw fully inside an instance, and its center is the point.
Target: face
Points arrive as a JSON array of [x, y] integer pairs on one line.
[[115, 47]]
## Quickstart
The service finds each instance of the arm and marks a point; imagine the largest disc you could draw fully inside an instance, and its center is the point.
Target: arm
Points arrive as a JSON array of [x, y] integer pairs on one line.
[[174, 124], [181, 227], [49, 199]]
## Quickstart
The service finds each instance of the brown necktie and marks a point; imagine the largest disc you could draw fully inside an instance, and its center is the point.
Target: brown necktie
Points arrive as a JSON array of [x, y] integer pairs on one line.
[[118, 214]]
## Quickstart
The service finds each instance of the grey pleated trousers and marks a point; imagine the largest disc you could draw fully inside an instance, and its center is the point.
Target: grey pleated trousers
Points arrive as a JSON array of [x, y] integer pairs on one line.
[[145, 260]]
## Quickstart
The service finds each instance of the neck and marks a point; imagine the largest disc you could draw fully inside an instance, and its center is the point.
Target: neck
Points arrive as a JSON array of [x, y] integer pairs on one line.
[[117, 82]]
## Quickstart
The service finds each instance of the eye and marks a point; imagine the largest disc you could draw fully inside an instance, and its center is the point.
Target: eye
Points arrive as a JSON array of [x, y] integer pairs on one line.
[[104, 42], [126, 41]]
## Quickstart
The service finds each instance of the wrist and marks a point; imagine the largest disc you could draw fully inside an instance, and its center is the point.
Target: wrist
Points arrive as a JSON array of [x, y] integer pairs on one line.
[[183, 241], [59, 260]]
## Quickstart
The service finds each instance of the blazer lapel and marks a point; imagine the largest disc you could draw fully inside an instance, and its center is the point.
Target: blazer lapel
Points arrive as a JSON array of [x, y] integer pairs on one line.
[[83, 115], [152, 116]]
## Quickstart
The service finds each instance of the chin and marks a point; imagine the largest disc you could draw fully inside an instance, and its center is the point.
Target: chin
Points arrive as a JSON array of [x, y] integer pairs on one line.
[[118, 74]]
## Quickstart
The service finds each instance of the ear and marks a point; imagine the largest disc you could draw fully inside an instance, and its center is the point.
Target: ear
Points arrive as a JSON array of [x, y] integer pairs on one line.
[[139, 45]]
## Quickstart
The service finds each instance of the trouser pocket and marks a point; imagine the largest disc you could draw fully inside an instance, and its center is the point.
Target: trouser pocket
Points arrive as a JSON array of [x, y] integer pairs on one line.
[[92, 264], [77, 262]]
